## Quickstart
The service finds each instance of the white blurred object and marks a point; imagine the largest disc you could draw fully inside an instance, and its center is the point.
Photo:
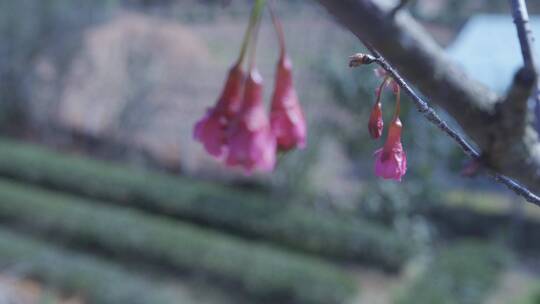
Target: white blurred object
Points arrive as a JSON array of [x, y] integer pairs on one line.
[[488, 49]]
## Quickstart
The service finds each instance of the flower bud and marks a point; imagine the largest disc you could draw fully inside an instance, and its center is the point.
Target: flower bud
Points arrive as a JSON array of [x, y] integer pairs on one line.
[[286, 117]]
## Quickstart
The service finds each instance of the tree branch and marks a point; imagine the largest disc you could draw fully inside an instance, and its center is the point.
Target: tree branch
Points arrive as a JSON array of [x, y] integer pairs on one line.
[[408, 48], [432, 116]]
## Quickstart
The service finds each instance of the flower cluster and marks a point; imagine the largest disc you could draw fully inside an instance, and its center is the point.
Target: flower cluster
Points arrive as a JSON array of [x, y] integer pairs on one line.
[[238, 129], [391, 159]]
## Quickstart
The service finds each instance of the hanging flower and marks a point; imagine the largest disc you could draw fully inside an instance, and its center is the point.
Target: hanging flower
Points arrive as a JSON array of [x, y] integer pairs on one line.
[[286, 117], [211, 130], [251, 143], [391, 160]]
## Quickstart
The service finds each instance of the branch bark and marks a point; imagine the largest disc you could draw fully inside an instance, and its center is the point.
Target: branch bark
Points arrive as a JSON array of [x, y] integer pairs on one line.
[[478, 110]]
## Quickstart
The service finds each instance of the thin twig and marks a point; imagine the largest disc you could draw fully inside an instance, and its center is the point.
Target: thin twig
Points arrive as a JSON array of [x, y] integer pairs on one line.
[[521, 19], [526, 39], [430, 114]]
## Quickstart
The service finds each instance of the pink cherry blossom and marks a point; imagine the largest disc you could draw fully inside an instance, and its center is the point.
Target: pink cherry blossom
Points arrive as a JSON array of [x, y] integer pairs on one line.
[[286, 117], [391, 160], [251, 143], [211, 130]]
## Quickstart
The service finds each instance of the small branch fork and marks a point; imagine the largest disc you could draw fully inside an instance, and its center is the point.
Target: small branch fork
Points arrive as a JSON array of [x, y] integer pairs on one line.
[[430, 114]]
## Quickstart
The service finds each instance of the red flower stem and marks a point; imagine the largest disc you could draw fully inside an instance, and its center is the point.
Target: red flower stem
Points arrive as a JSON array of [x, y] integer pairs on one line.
[[278, 26], [255, 35], [398, 103], [253, 20], [381, 88]]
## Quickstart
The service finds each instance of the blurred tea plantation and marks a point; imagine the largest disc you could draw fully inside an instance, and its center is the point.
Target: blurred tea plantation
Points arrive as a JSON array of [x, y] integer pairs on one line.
[[105, 197]]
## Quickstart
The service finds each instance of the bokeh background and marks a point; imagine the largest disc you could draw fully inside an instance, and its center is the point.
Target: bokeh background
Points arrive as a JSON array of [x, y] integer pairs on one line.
[[106, 198]]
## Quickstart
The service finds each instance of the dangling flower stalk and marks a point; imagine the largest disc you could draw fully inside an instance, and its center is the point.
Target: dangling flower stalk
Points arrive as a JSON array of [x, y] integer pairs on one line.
[[398, 103], [255, 36], [279, 28]]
